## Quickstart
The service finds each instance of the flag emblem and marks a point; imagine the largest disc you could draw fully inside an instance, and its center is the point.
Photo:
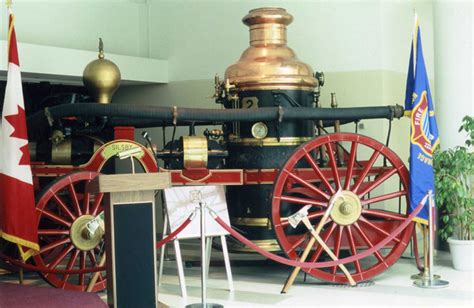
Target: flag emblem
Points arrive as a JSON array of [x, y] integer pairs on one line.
[[420, 126]]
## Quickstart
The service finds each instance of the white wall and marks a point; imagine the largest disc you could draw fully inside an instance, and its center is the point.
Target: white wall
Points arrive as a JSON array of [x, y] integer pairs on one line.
[[200, 38], [78, 24], [454, 68]]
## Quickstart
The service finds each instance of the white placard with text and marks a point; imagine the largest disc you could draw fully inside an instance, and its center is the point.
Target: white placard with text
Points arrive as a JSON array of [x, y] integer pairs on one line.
[[182, 201]]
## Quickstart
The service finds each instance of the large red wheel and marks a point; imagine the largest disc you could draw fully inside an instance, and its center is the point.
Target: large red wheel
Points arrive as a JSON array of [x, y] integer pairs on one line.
[[64, 208], [368, 175]]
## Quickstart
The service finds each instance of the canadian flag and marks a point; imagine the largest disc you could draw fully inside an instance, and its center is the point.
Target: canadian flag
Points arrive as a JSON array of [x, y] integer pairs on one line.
[[17, 203]]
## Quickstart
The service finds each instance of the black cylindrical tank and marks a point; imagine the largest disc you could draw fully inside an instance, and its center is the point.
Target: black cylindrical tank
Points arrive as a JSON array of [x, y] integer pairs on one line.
[[268, 74]]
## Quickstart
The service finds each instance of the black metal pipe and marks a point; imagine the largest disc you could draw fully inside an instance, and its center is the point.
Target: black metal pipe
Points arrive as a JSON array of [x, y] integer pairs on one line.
[[174, 114]]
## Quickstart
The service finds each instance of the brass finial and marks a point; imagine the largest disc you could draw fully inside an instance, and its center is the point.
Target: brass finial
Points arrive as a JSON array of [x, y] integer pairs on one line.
[[101, 77], [8, 3], [101, 48]]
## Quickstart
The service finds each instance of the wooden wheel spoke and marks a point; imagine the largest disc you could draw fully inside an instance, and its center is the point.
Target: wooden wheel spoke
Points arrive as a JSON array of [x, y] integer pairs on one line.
[[377, 181], [54, 244], [316, 169], [350, 165], [55, 218], [303, 201], [325, 237], [52, 232], [383, 197], [365, 171], [317, 214], [82, 261], [376, 228], [353, 248], [59, 258], [97, 202], [298, 243], [85, 202], [384, 214], [369, 242], [63, 206], [333, 164], [307, 184], [313, 215], [337, 246], [75, 200], [303, 191], [70, 265]]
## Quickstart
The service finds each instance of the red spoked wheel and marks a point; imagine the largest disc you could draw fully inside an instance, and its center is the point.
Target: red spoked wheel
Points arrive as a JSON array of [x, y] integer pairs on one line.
[[64, 208], [368, 185]]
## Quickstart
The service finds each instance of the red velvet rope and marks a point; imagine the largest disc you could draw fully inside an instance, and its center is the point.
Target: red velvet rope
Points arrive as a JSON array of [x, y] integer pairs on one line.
[[415, 251], [173, 234], [309, 265]]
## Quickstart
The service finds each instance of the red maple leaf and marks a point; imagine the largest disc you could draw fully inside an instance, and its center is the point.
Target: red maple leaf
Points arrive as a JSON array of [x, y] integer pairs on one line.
[[18, 121]]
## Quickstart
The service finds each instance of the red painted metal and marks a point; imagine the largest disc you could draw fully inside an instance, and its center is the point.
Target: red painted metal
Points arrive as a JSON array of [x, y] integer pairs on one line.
[[97, 161], [255, 176], [58, 207], [124, 132], [296, 184], [292, 191]]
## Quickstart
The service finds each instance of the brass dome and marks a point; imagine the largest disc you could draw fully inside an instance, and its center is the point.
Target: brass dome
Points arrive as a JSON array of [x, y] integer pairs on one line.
[[101, 77], [269, 63]]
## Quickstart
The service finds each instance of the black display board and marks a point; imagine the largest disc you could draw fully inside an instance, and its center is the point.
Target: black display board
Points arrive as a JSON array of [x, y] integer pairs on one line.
[[134, 255]]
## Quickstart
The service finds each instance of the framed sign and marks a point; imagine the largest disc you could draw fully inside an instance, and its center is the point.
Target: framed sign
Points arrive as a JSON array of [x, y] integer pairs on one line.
[[182, 201]]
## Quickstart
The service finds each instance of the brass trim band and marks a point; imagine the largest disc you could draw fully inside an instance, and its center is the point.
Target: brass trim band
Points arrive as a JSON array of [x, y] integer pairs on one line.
[[61, 153], [268, 245], [194, 152], [271, 141], [244, 86], [250, 221]]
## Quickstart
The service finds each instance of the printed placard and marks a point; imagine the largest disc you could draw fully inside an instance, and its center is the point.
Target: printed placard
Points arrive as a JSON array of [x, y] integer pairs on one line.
[[182, 201]]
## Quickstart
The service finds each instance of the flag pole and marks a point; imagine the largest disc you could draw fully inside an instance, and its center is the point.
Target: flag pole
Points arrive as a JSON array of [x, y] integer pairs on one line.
[[415, 38], [9, 6], [427, 279]]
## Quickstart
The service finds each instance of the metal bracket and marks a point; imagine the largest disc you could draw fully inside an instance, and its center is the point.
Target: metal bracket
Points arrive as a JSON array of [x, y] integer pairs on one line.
[[48, 116], [175, 115]]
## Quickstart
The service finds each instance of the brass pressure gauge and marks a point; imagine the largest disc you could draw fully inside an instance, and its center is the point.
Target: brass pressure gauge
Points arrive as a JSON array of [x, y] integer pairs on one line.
[[259, 130]]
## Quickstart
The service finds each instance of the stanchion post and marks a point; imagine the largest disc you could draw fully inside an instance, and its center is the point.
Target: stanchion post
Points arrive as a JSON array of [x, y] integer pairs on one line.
[[429, 281], [204, 302], [203, 255], [430, 236]]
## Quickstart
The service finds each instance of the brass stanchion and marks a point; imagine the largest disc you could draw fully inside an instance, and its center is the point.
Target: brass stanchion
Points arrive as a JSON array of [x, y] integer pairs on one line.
[[21, 278], [427, 279]]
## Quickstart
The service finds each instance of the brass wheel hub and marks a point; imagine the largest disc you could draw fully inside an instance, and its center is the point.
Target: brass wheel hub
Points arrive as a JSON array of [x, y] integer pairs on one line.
[[81, 237], [347, 208]]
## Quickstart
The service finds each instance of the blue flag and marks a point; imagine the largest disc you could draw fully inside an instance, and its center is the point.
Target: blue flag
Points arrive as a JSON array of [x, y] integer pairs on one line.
[[423, 132]]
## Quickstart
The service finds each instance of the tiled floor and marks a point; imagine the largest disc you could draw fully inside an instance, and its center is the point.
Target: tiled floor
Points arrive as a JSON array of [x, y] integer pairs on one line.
[[258, 285]]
